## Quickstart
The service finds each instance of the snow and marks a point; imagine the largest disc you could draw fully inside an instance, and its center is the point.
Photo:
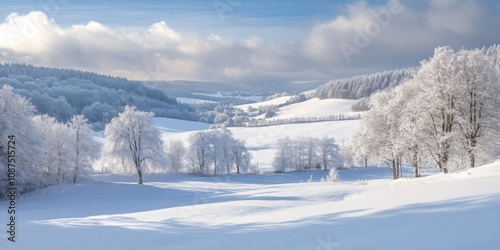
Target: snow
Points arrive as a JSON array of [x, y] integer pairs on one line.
[[365, 209], [261, 141], [316, 107], [193, 100], [276, 211], [169, 125], [276, 101]]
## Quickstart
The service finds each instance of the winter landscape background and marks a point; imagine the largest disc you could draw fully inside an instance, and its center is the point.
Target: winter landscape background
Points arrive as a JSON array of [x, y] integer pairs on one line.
[[250, 125]]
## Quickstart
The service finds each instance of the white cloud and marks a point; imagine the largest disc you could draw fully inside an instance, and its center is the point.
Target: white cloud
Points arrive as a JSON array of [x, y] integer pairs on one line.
[[457, 16], [381, 37]]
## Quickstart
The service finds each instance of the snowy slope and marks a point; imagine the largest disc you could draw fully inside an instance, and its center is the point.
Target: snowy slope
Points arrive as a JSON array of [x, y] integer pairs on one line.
[[192, 100], [168, 125], [273, 102], [261, 141], [316, 108], [453, 211]]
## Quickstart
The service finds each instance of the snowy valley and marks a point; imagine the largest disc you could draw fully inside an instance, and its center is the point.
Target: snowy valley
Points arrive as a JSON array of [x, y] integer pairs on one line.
[[250, 125]]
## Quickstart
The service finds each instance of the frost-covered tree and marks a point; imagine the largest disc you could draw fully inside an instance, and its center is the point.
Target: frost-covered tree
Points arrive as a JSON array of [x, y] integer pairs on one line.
[[361, 86], [329, 153], [133, 138], [306, 153], [83, 147], [175, 152], [199, 152], [477, 103], [16, 125], [311, 152], [241, 157], [283, 159], [449, 111], [412, 140], [56, 148], [219, 150], [379, 133], [439, 95]]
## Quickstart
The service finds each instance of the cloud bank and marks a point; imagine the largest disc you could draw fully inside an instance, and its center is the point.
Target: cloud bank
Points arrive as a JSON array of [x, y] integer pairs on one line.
[[363, 38]]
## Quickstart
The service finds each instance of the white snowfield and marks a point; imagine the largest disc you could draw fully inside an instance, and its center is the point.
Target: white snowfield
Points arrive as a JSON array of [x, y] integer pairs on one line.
[[261, 141], [277, 211], [316, 107], [275, 101], [365, 209]]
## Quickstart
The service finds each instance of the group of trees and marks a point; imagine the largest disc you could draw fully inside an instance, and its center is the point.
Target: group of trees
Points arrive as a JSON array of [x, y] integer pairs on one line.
[[307, 153], [361, 86], [268, 122], [446, 116], [132, 143], [217, 151], [62, 93], [45, 152]]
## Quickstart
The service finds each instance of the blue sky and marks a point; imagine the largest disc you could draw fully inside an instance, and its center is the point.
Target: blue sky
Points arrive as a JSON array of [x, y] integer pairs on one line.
[[243, 17], [243, 41]]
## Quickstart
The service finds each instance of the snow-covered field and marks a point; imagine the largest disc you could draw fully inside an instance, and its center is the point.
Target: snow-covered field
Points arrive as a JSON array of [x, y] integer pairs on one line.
[[316, 108], [193, 100], [276, 101], [261, 141], [277, 211], [365, 209]]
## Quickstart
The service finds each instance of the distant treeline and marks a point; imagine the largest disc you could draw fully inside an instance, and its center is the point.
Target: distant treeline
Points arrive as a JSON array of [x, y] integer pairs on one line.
[[361, 86], [62, 93], [262, 123]]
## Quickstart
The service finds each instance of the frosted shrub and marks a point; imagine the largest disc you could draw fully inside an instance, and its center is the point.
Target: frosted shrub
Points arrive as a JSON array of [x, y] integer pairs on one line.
[[333, 175]]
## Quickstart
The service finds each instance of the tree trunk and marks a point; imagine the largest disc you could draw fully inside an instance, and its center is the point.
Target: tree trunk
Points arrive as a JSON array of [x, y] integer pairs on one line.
[[139, 172], [394, 169], [416, 172]]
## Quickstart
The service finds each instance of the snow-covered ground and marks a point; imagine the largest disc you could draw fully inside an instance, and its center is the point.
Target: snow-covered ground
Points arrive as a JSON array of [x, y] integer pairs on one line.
[[169, 125], [365, 209], [276, 101], [261, 141], [277, 211], [316, 108], [193, 100]]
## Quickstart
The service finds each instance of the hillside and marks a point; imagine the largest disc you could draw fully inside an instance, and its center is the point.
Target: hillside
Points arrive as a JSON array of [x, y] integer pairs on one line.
[[261, 141], [62, 93], [282, 211], [361, 86]]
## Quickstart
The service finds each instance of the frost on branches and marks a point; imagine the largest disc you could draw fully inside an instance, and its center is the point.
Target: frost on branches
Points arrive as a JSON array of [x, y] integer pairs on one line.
[[218, 151], [16, 120], [447, 115], [132, 139]]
